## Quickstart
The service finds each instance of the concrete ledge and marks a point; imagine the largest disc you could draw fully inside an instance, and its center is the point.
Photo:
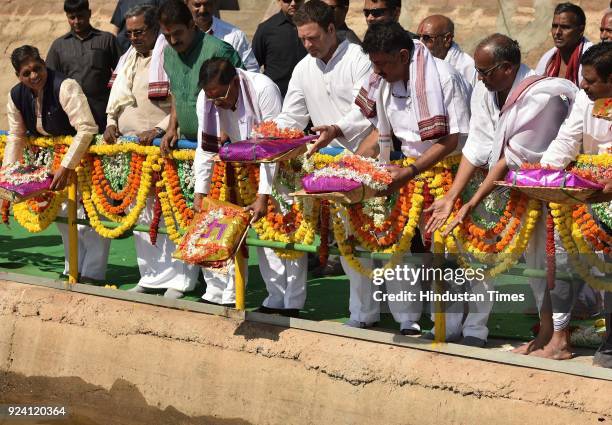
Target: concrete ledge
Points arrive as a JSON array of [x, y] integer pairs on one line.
[[330, 328], [208, 366]]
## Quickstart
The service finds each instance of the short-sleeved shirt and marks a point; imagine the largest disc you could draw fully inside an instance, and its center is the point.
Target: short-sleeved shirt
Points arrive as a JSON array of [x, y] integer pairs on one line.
[[278, 49], [183, 70], [118, 18], [90, 62]]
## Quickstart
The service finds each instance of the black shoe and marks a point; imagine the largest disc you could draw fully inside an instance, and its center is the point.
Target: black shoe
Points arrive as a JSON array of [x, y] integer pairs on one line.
[[268, 310], [230, 305], [603, 356], [332, 268], [410, 332], [203, 301], [290, 312], [472, 341]]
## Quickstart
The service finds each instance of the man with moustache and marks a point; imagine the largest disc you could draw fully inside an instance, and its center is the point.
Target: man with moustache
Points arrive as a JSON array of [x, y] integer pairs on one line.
[[340, 8], [567, 32], [86, 54], [515, 116], [188, 49], [277, 46], [137, 107], [205, 14], [584, 132], [403, 70]]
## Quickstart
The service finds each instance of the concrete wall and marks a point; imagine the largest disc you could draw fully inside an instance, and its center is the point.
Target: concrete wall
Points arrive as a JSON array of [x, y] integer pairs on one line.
[[116, 362]]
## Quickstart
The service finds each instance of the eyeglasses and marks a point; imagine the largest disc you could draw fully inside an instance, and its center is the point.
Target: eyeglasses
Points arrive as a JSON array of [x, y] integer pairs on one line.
[[427, 37], [217, 100], [136, 33], [376, 13], [485, 73]]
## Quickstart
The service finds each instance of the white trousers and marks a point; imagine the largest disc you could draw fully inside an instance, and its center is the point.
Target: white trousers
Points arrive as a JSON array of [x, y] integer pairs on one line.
[[93, 248], [285, 279], [221, 287], [365, 308], [564, 294], [157, 267]]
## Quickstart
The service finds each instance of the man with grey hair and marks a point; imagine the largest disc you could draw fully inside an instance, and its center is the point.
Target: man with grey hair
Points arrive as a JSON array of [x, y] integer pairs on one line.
[[139, 105], [205, 14], [515, 116], [437, 32], [605, 30]]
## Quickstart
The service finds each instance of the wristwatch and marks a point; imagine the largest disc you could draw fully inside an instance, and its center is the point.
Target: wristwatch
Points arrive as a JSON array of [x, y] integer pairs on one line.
[[160, 132]]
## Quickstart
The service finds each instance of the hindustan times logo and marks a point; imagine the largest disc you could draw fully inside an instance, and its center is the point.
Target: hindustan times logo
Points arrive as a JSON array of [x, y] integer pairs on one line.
[[412, 275]]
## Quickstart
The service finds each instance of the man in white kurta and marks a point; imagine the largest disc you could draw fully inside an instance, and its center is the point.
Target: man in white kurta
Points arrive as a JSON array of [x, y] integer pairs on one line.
[[134, 109], [584, 132], [515, 115], [322, 88], [437, 32], [93, 249], [204, 12], [247, 99], [392, 101]]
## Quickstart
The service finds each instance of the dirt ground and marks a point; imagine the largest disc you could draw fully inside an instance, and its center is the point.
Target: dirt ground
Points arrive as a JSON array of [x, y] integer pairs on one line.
[[126, 363]]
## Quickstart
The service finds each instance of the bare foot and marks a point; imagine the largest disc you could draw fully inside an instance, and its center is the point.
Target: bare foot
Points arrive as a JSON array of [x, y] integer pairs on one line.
[[530, 346], [538, 343], [558, 348]]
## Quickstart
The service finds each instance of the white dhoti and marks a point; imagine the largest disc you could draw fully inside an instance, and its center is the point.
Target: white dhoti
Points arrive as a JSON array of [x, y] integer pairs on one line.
[[93, 248], [157, 267], [564, 293]]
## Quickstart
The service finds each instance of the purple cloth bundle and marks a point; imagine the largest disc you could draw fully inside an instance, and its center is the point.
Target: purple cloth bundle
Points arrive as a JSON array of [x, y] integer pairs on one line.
[[24, 190], [260, 149], [550, 178], [328, 184]]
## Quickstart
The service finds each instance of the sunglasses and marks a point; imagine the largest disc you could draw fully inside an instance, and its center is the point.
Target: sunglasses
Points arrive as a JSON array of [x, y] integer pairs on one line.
[[427, 38], [485, 73], [289, 1], [376, 13]]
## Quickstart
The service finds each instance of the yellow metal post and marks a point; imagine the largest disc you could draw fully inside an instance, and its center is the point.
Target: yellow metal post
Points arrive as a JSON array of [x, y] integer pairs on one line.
[[73, 236], [439, 316], [241, 270]]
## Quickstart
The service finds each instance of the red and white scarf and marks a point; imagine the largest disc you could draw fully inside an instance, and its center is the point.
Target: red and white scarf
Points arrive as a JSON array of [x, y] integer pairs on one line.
[[573, 66], [430, 111]]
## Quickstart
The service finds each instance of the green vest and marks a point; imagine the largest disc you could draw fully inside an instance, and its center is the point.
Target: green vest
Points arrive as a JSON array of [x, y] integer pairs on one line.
[[183, 71]]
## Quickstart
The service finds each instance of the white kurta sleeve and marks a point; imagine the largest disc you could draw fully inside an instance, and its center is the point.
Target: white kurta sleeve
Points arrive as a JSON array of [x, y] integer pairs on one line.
[[566, 146], [270, 104], [479, 143], [295, 111], [203, 162], [456, 99], [75, 105], [16, 140]]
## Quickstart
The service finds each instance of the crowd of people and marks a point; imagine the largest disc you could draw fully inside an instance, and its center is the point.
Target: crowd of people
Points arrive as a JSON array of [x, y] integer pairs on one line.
[[175, 71]]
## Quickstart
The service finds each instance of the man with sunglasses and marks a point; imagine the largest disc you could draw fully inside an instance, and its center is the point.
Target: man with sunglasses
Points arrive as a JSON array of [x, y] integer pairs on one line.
[[205, 14], [276, 44], [437, 33], [139, 105], [567, 32], [515, 116], [231, 102]]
